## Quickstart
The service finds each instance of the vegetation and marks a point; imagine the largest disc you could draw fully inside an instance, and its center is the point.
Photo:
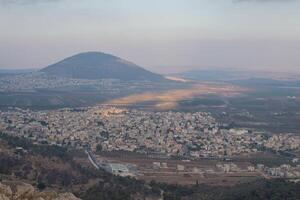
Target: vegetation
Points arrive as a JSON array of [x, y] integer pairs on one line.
[[43, 150], [118, 188], [7, 164], [41, 186], [257, 190], [99, 148], [55, 166]]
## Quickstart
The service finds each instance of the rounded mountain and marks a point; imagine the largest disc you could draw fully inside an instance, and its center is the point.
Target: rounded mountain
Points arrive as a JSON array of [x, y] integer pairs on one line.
[[97, 65]]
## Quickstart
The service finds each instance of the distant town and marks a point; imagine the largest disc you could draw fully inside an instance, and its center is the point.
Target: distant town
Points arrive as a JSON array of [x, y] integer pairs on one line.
[[183, 135], [39, 80]]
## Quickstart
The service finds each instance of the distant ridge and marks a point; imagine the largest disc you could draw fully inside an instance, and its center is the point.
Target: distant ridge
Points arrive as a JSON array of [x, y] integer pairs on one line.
[[16, 71], [98, 65]]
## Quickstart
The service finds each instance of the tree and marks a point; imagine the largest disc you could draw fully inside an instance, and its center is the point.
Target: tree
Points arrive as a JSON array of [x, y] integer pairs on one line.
[[41, 186], [99, 147]]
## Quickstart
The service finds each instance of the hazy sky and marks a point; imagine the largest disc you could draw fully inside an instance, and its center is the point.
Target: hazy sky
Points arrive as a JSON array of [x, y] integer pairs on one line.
[[161, 35]]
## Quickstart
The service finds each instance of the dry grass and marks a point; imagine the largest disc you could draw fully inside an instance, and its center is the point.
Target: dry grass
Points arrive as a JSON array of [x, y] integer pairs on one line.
[[168, 99]]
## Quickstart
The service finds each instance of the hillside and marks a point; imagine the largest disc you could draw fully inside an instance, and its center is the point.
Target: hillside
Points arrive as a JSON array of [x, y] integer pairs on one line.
[[58, 173], [16, 190], [97, 65]]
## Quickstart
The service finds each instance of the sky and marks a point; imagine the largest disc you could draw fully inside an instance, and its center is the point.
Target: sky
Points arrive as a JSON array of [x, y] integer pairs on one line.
[[161, 35]]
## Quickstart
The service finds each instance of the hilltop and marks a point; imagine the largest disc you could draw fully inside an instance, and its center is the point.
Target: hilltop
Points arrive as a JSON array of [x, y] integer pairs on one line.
[[97, 65]]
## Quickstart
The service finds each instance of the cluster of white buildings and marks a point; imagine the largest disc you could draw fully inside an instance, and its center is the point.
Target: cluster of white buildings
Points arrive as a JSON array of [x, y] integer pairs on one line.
[[282, 171], [39, 80], [283, 142], [36, 81], [191, 135]]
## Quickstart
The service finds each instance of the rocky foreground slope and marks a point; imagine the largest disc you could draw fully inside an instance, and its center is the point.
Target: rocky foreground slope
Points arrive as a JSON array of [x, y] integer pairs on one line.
[[23, 191]]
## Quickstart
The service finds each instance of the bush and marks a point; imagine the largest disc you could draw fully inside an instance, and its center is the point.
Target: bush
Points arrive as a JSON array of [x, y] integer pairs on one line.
[[41, 186]]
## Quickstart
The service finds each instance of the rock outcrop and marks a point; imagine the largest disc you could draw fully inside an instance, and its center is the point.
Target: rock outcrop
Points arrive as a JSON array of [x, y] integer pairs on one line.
[[22, 191]]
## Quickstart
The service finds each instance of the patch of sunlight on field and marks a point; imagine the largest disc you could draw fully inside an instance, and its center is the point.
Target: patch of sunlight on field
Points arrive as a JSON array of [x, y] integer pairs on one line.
[[173, 78], [168, 99]]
